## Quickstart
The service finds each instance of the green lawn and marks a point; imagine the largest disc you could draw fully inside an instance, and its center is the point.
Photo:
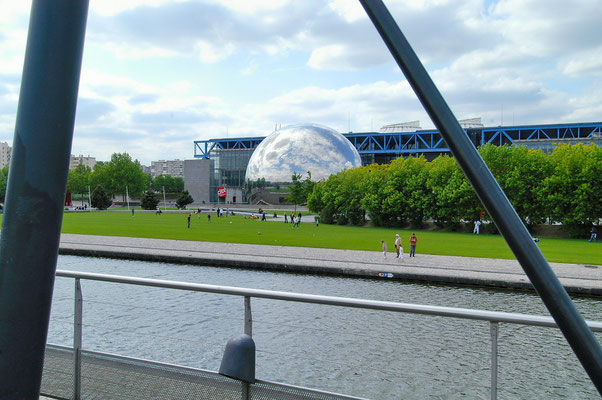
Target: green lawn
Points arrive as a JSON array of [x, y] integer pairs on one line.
[[239, 230]]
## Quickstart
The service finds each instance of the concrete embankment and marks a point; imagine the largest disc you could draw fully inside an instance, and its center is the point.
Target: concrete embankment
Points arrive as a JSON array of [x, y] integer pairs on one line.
[[576, 278]]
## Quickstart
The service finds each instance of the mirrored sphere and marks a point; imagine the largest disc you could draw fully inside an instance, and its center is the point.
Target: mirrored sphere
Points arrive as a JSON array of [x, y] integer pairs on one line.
[[301, 148]]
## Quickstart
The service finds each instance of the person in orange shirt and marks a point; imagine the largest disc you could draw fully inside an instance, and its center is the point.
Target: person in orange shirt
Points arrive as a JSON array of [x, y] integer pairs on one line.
[[413, 241]]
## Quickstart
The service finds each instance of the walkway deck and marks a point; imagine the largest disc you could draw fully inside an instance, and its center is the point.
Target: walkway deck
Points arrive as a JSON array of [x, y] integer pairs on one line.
[[577, 278]]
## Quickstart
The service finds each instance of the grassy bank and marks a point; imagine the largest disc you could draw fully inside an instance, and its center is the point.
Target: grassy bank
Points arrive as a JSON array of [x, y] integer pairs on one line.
[[239, 230]]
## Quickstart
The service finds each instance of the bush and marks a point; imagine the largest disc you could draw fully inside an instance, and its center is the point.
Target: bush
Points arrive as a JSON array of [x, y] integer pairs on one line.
[[149, 200], [184, 199], [100, 199]]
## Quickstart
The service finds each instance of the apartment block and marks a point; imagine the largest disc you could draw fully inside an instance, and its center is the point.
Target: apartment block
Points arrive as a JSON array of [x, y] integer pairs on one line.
[[77, 160], [174, 168]]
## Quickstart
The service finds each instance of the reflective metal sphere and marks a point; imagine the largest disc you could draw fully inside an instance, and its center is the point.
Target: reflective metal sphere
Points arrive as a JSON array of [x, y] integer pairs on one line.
[[301, 148]]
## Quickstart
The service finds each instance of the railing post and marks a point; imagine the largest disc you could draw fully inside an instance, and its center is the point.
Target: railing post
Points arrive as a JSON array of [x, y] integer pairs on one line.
[[77, 340], [246, 387], [493, 329], [248, 317]]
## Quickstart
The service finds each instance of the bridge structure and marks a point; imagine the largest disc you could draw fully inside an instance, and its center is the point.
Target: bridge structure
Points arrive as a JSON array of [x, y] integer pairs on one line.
[[396, 144]]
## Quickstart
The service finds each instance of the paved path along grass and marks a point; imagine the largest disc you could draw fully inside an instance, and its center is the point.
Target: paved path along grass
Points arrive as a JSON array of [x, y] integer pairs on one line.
[[577, 278]]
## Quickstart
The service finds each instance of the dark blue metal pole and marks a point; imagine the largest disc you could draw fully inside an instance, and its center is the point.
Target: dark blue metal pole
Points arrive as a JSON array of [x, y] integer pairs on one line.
[[573, 326], [36, 190]]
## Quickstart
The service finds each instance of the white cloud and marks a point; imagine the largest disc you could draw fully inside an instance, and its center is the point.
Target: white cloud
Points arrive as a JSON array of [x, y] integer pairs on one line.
[[254, 6], [585, 63], [153, 68], [350, 10], [112, 7]]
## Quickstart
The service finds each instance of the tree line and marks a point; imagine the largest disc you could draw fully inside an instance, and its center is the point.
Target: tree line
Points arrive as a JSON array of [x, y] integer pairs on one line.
[[564, 187], [120, 176]]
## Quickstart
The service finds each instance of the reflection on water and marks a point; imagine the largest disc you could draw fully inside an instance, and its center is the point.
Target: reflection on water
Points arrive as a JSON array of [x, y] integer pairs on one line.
[[378, 355]]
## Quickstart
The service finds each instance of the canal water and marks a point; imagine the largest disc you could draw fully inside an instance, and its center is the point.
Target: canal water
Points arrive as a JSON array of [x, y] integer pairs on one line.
[[377, 355]]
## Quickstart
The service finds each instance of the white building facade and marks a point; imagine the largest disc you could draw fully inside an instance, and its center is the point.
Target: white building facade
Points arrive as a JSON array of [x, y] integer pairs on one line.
[[77, 160], [5, 154]]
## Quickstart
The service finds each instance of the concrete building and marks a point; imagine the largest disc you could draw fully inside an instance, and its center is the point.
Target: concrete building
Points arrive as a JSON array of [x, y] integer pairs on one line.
[[174, 168], [77, 160], [5, 154], [196, 179]]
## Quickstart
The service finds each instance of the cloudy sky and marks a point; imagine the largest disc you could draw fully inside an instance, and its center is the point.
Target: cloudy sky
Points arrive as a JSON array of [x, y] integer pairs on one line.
[[159, 74]]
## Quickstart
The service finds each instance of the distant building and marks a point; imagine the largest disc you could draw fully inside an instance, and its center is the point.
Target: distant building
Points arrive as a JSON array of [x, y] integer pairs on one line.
[[5, 154], [197, 179], [229, 157], [145, 169], [548, 145], [174, 168], [77, 160]]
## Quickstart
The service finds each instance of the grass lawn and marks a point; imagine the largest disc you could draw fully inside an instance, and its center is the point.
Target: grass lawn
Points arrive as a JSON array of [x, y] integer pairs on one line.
[[236, 229]]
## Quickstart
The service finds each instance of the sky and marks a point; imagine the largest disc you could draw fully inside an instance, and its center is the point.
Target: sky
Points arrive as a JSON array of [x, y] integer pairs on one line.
[[159, 74]]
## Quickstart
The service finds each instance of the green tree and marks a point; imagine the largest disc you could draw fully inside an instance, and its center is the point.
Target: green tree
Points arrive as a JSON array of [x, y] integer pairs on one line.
[[78, 180], [347, 197], [521, 173], [149, 200], [100, 177], [452, 198], [573, 189], [118, 174], [184, 199], [169, 183], [405, 190], [314, 199], [3, 182], [373, 200], [100, 199], [300, 189]]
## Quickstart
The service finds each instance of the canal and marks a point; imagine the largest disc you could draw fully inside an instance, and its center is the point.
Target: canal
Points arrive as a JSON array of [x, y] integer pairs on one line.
[[377, 355]]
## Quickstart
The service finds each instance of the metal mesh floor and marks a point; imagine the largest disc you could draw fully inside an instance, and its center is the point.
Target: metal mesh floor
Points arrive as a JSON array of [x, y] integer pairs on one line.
[[109, 377]]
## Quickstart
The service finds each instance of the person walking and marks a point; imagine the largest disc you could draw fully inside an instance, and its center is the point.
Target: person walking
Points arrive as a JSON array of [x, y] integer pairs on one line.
[[132, 211], [477, 227], [413, 241], [594, 235], [397, 244], [285, 218], [384, 244], [188, 220]]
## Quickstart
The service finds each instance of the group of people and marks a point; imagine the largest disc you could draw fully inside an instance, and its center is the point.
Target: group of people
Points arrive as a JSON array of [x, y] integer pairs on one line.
[[399, 246], [295, 219]]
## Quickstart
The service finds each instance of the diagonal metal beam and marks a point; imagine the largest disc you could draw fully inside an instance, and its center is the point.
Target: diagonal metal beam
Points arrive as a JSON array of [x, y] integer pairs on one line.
[[571, 323]]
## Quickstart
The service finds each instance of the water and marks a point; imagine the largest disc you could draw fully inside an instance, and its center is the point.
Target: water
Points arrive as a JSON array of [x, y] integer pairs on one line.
[[377, 355]]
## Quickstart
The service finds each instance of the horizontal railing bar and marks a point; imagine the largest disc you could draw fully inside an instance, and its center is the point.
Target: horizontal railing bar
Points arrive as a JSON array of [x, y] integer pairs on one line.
[[492, 316]]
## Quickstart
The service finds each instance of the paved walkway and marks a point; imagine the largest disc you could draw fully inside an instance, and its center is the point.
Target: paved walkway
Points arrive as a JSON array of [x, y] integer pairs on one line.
[[577, 278]]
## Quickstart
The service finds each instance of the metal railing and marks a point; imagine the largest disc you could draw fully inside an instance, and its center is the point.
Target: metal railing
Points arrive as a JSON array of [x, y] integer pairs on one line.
[[493, 317]]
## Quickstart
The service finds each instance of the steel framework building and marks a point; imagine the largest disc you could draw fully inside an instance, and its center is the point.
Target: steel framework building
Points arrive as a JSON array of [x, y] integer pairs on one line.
[[229, 157], [384, 147]]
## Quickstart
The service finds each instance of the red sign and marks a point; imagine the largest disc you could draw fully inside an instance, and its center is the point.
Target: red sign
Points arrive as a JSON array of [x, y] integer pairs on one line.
[[221, 191]]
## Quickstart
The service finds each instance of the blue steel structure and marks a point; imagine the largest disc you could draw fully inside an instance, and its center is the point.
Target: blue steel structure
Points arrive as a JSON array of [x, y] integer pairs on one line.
[[424, 141]]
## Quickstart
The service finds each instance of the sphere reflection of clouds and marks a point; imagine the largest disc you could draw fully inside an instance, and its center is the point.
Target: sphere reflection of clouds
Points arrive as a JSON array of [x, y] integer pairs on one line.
[[301, 148]]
